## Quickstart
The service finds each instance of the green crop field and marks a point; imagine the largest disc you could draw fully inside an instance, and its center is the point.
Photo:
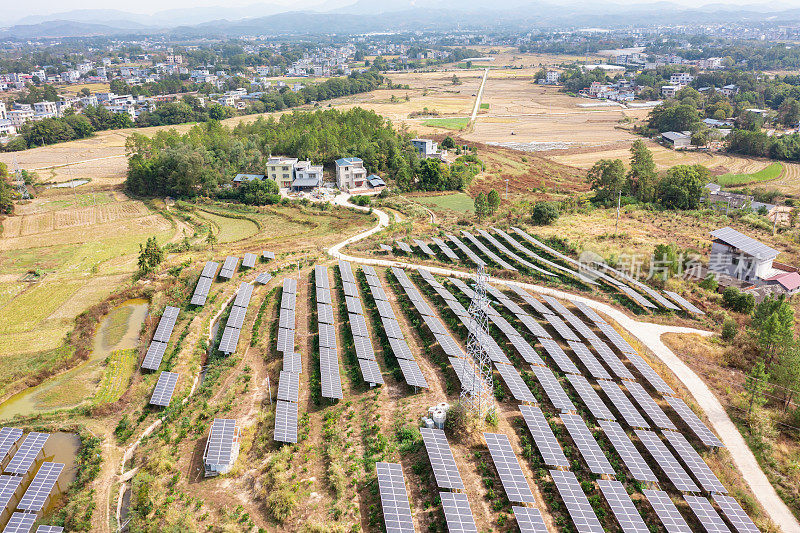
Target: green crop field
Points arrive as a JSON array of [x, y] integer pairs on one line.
[[230, 229], [120, 366], [447, 123], [460, 202], [765, 174], [484, 106]]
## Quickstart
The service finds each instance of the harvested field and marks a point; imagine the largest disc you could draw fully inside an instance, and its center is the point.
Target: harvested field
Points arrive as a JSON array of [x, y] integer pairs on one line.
[[789, 180]]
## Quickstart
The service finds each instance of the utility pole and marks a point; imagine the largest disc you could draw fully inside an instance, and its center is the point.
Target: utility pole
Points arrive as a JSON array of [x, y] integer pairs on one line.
[[506, 188], [619, 201]]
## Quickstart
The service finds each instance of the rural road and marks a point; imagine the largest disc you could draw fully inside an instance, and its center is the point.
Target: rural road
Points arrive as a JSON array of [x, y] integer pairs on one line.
[[478, 99], [648, 334]]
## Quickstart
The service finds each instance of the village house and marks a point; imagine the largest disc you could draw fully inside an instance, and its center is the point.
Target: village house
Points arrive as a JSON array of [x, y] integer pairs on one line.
[[281, 170], [677, 139], [306, 176], [428, 148], [350, 174]]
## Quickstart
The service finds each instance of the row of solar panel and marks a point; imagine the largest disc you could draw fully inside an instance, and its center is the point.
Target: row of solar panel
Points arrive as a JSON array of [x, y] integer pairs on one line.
[[233, 327], [330, 377], [204, 283], [365, 353], [158, 345], [222, 445]]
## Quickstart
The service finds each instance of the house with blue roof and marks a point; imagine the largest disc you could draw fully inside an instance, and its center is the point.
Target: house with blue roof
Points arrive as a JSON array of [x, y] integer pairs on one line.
[[350, 174]]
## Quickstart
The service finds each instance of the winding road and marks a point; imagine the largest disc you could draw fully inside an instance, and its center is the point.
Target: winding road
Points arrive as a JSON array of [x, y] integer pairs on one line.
[[648, 334]]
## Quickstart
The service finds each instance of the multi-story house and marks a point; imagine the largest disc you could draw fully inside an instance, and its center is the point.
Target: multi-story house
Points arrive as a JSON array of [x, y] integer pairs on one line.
[[281, 170], [3, 112], [350, 173], [428, 148], [45, 109], [306, 176], [682, 78], [20, 114]]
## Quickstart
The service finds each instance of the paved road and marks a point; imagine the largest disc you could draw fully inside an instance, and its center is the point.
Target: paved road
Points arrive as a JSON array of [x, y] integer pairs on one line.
[[478, 98], [650, 335]]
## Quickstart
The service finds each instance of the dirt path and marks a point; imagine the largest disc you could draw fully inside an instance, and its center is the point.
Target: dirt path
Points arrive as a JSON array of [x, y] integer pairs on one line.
[[477, 106], [650, 335]]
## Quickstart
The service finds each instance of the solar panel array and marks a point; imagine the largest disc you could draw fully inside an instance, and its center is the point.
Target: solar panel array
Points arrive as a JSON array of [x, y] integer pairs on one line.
[[233, 327], [165, 387], [552, 388], [667, 512], [702, 473], [555, 352], [223, 442], [446, 250], [20, 523], [519, 390], [394, 498], [683, 302], [425, 248], [267, 255], [404, 247], [487, 252], [8, 488], [504, 249], [442, 461], [621, 505], [693, 421], [289, 386], [578, 506], [627, 451], [370, 371], [543, 436], [49, 529], [204, 283], [529, 520], [649, 406], [229, 267], [249, 260], [663, 302], [27, 453], [736, 515], [263, 278], [40, 488], [590, 450], [708, 516], [155, 352], [457, 513], [286, 416], [330, 377], [623, 405], [611, 360], [467, 251], [589, 360], [561, 328], [511, 475], [649, 374], [8, 439], [666, 461], [590, 398]]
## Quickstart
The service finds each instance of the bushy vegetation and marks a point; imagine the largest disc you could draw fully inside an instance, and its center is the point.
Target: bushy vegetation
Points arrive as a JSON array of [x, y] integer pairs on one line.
[[544, 213]]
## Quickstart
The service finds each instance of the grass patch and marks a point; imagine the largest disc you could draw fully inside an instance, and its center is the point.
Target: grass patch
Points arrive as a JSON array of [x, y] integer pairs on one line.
[[765, 174], [117, 325], [120, 366], [460, 202], [230, 229], [457, 124], [30, 307], [484, 106]]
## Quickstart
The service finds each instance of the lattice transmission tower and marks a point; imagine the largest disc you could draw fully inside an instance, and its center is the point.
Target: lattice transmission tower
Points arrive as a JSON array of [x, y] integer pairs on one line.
[[477, 388], [19, 182]]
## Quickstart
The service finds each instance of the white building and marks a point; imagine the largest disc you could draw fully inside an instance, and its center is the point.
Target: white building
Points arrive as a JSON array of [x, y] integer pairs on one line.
[[306, 176], [350, 173], [682, 78], [281, 170], [552, 77], [45, 109], [741, 257], [669, 91], [3, 113], [21, 115], [7, 129], [428, 148]]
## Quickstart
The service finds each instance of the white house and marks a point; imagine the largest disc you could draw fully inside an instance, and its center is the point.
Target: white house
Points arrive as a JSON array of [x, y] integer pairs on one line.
[[45, 109], [306, 176], [552, 77], [741, 257], [682, 78], [669, 91], [428, 148], [3, 113], [350, 173], [677, 139]]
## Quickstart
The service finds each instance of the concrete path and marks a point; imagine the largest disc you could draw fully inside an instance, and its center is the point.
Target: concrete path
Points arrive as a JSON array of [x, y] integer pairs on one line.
[[648, 334], [477, 107]]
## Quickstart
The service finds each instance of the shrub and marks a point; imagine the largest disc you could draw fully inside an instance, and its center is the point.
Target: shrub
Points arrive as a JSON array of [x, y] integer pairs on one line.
[[734, 299], [710, 283], [729, 328], [544, 213]]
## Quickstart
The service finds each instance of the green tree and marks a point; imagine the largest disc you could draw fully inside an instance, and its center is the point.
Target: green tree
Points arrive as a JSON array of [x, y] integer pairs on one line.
[[481, 207], [493, 201], [683, 187], [544, 213], [642, 175], [729, 328], [775, 334], [211, 238], [150, 256], [666, 260], [786, 373], [455, 81], [607, 178], [756, 386], [448, 143]]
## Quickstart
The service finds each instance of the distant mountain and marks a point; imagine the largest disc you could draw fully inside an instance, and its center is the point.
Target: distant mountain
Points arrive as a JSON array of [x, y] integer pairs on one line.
[[68, 28]]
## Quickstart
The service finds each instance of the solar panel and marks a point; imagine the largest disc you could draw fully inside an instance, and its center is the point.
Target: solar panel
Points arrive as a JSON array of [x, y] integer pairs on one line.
[[731, 508], [711, 520], [449, 346], [641, 286], [412, 373], [221, 442], [285, 421], [578, 506], [268, 255], [649, 405], [404, 247], [683, 302], [290, 285], [327, 335], [443, 463], [286, 340], [20, 523], [363, 347], [289, 386], [243, 295], [384, 308], [236, 317], [472, 256], [8, 488], [511, 475], [209, 270], [666, 461], [553, 389], [457, 512], [627, 451], [289, 300], [424, 247], [392, 328], [230, 338], [519, 390], [378, 293], [446, 250], [249, 260], [615, 338], [529, 519], [697, 466], [590, 398], [590, 313], [350, 289], [590, 450], [165, 387], [555, 352], [564, 330], [49, 529], [400, 349], [166, 324], [511, 305], [321, 276], [292, 362], [531, 300], [504, 249], [369, 271], [557, 306], [394, 498], [606, 354], [27, 453], [229, 267], [649, 374], [201, 291], [543, 436], [346, 271], [370, 371], [623, 508], [533, 326], [353, 304], [435, 325], [329, 375], [465, 375], [325, 313], [358, 325], [154, 355], [667, 512], [693, 421], [622, 404], [323, 295], [263, 278], [8, 438], [589, 360], [40, 488], [580, 326], [525, 350], [487, 252]]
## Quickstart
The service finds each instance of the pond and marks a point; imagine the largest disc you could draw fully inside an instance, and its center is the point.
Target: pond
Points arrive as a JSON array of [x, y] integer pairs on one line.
[[118, 330]]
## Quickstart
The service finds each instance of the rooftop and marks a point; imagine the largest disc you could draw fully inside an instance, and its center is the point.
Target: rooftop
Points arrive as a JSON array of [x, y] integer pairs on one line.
[[744, 243], [344, 161]]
